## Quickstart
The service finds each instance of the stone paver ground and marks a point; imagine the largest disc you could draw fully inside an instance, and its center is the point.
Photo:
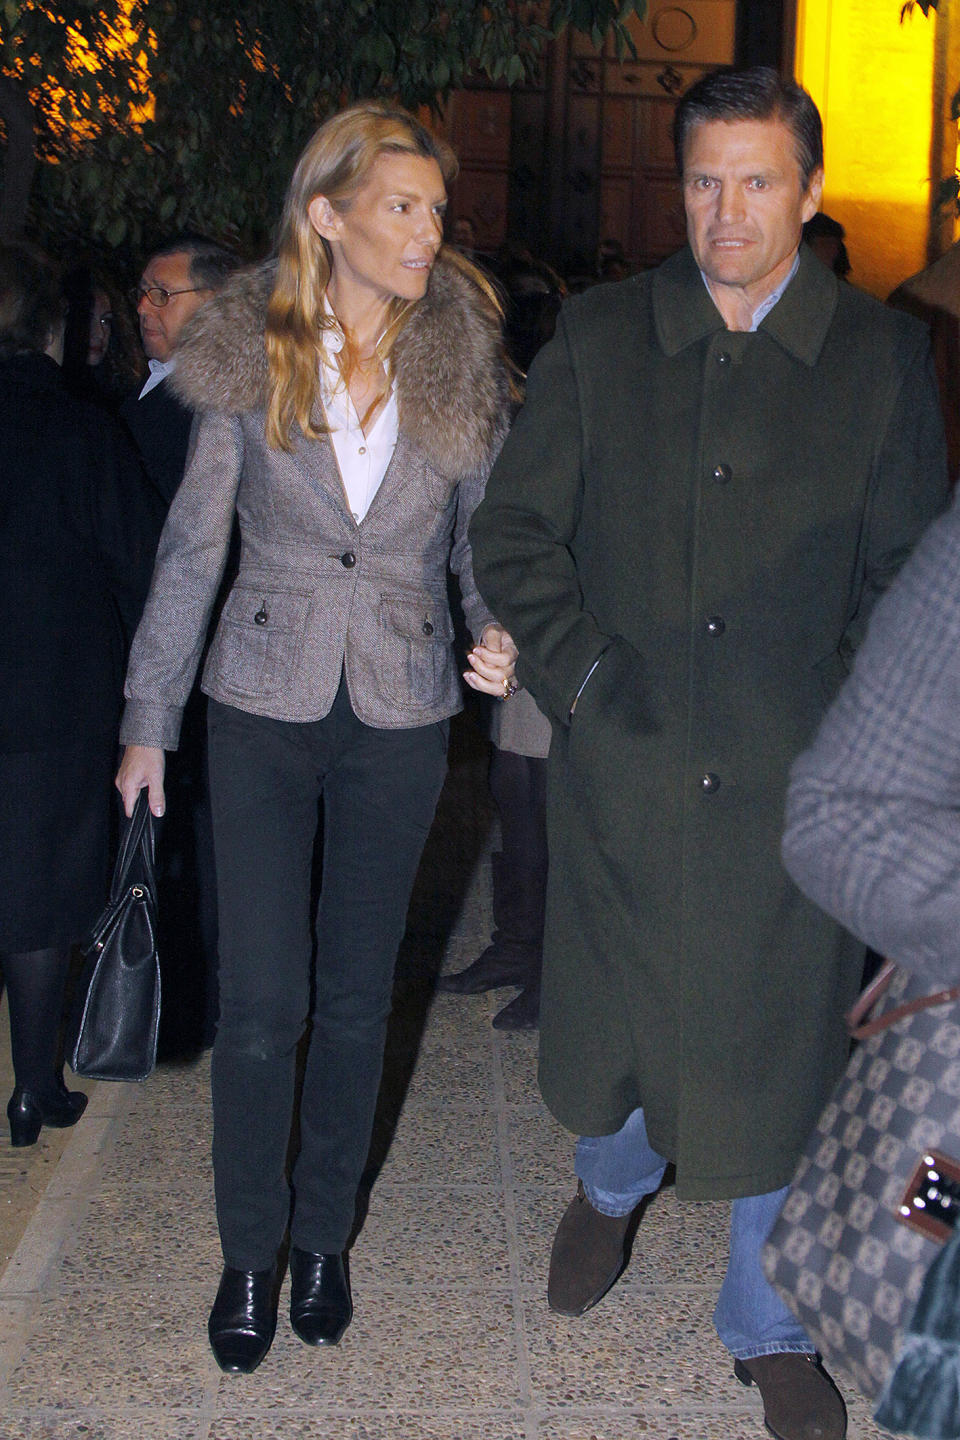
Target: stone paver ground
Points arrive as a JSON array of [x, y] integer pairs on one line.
[[112, 1258]]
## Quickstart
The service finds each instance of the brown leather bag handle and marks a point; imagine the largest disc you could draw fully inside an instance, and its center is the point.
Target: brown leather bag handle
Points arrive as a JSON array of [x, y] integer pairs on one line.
[[861, 1028]]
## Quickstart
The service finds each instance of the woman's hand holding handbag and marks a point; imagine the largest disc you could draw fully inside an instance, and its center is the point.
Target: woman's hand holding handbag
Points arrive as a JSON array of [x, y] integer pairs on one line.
[[112, 1033]]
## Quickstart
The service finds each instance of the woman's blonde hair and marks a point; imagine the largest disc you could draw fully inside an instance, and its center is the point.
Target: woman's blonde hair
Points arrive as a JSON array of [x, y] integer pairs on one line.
[[336, 163]]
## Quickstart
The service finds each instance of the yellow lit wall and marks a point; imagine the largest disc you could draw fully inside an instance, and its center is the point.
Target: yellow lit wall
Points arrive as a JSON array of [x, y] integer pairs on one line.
[[872, 79]]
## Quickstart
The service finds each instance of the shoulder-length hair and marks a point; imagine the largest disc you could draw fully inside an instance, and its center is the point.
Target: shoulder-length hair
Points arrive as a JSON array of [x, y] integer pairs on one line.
[[336, 163]]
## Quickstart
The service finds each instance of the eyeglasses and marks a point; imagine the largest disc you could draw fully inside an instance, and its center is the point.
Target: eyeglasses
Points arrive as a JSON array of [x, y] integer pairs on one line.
[[159, 297]]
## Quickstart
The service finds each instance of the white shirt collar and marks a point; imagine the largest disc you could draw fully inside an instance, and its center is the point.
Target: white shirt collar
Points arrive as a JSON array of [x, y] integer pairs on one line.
[[159, 370]]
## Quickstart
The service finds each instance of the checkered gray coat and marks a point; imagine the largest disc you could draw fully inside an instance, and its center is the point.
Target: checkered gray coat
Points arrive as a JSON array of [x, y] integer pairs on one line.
[[873, 810], [317, 594]]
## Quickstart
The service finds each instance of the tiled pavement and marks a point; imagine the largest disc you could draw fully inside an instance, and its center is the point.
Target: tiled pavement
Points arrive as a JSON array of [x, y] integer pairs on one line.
[[103, 1304]]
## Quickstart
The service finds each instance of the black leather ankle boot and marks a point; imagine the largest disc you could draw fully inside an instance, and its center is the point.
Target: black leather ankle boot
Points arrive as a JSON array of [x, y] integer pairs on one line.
[[243, 1320], [27, 1111], [320, 1304]]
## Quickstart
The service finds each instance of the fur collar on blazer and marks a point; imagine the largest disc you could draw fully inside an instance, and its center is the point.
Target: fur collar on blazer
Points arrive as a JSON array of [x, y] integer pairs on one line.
[[452, 387]]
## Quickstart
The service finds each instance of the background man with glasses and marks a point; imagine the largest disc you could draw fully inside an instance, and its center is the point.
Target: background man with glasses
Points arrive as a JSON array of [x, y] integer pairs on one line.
[[177, 279]]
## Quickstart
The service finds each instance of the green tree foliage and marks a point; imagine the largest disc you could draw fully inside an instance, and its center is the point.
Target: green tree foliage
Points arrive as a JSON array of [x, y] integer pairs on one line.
[[155, 114]]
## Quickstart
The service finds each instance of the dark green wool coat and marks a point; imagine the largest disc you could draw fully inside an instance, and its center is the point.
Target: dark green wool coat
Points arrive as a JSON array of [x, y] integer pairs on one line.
[[715, 511]]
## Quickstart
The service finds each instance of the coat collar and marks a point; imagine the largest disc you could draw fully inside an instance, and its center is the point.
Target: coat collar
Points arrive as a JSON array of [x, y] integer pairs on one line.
[[684, 312], [452, 383]]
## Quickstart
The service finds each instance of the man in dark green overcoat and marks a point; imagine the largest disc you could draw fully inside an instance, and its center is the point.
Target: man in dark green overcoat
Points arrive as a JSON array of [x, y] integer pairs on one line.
[[718, 467]]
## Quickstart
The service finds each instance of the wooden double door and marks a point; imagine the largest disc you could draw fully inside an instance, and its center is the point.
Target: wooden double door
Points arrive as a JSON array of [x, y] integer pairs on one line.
[[585, 154]]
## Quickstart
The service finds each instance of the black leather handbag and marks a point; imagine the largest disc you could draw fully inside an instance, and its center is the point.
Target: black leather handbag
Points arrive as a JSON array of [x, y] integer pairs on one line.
[[112, 1033]]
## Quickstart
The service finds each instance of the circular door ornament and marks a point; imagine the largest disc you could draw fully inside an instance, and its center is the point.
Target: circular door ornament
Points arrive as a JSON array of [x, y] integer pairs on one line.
[[674, 29]]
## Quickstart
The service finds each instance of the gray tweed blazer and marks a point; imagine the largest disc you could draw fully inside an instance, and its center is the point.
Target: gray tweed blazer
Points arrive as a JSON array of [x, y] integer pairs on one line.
[[873, 809], [317, 594]]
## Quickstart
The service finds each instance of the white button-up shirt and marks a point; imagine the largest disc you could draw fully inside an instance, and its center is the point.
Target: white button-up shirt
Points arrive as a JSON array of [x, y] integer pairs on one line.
[[362, 458]]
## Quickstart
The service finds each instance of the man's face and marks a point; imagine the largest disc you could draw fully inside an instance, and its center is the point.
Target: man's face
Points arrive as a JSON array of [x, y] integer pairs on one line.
[[746, 203], [160, 326]]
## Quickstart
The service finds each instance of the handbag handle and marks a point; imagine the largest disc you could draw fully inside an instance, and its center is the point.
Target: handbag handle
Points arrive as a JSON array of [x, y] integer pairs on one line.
[[861, 1029], [136, 835]]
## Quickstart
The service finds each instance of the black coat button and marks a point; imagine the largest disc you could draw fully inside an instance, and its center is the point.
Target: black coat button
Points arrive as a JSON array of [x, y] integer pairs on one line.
[[723, 358], [262, 616], [349, 560], [716, 625], [722, 474], [710, 783], [428, 627]]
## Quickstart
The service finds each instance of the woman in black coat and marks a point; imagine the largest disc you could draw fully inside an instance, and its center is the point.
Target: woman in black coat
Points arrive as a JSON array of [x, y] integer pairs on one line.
[[78, 531]]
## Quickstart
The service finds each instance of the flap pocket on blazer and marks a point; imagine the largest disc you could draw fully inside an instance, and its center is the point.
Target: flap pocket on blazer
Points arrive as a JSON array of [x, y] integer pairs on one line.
[[424, 618], [416, 633], [259, 639]]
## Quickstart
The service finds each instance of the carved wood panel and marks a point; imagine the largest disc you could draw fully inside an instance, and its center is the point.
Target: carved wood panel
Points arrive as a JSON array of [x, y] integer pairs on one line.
[[586, 153]]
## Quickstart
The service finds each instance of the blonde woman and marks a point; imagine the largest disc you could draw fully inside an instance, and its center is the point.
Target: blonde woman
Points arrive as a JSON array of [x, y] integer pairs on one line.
[[352, 396]]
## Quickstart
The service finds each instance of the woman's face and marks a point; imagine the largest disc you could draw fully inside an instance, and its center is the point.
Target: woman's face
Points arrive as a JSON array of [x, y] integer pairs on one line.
[[386, 241]]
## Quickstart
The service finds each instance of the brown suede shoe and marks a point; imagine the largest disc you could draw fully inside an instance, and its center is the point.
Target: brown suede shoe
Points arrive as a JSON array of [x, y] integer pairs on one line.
[[800, 1401], [589, 1252]]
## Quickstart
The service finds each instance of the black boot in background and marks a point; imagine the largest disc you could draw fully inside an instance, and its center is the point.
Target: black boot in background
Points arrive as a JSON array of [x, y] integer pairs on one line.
[[507, 960]]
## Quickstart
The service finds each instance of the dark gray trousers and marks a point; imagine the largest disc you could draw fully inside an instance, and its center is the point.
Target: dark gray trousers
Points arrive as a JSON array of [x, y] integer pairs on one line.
[[380, 789]]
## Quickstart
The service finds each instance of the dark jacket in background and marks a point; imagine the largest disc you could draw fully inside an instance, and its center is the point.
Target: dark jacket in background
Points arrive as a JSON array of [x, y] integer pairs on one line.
[[78, 534], [160, 426], [78, 529], [186, 872], [933, 296]]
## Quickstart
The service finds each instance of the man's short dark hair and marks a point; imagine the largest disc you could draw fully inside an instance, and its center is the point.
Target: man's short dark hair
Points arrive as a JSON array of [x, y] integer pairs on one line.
[[210, 263], [759, 93], [823, 226], [31, 302]]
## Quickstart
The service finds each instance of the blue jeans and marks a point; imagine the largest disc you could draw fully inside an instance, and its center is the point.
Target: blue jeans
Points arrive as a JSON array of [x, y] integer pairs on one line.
[[619, 1170]]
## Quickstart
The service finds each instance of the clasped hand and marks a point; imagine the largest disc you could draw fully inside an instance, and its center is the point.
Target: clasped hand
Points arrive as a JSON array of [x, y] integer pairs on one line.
[[492, 663]]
